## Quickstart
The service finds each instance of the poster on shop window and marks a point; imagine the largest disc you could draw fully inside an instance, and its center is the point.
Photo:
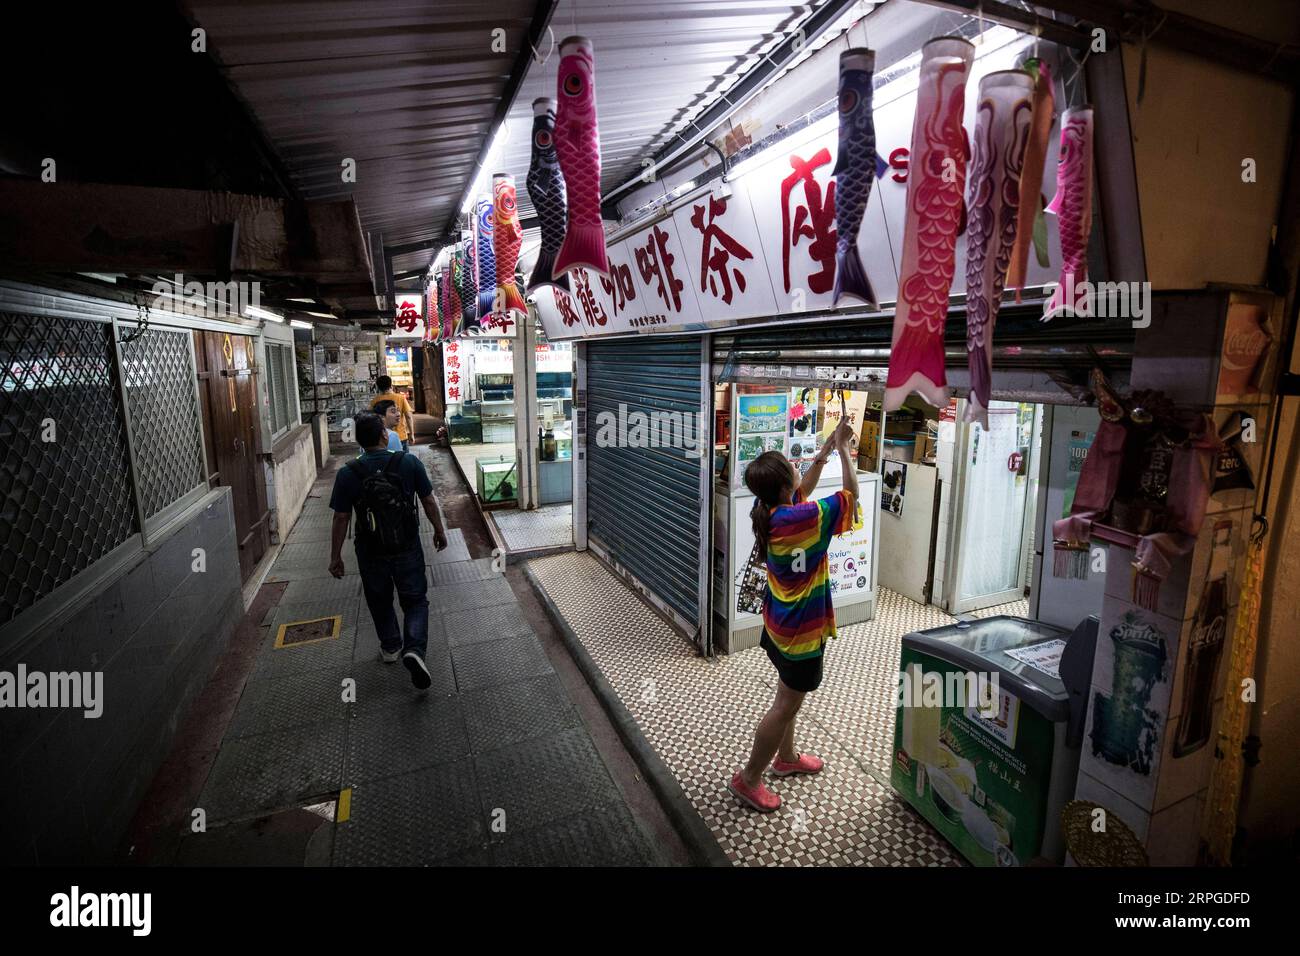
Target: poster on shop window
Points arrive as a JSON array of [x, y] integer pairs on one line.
[[893, 487]]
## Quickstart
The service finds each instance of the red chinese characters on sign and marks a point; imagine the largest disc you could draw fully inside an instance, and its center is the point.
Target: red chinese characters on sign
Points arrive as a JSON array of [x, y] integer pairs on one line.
[[453, 371], [407, 316], [497, 320], [655, 262], [619, 286], [565, 306], [812, 219], [716, 268], [591, 309]]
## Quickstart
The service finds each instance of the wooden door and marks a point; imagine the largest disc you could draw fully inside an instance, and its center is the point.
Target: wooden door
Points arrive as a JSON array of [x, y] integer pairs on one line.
[[228, 384]]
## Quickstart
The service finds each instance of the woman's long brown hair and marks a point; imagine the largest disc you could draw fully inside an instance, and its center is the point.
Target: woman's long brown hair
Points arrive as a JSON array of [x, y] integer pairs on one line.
[[769, 478]]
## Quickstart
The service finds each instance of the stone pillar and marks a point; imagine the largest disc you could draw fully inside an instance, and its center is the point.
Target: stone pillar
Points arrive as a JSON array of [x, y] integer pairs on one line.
[[1158, 676]]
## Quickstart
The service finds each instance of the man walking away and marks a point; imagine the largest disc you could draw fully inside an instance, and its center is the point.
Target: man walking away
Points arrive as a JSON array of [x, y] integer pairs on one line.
[[406, 420], [381, 486], [388, 413]]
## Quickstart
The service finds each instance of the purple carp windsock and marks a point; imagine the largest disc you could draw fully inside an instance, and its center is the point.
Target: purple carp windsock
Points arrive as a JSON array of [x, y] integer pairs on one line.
[[1002, 118], [855, 171], [1042, 116], [485, 259], [1072, 207], [936, 185], [507, 237], [546, 191], [577, 142]]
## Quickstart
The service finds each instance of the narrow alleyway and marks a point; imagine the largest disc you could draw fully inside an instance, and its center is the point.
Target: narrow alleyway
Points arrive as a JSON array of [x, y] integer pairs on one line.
[[328, 756]]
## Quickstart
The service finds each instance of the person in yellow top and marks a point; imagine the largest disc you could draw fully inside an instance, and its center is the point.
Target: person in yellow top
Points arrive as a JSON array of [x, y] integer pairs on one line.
[[405, 422]]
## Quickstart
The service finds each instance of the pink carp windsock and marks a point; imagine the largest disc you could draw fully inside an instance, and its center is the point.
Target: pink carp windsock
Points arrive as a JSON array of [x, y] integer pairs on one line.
[[936, 183], [1031, 176], [1072, 207], [507, 237], [546, 191], [485, 260], [577, 141], [430, 312], [855, 170], [1002, 118]]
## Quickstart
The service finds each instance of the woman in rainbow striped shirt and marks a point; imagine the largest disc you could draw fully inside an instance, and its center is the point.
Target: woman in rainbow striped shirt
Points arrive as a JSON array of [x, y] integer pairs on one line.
[[798, 615]]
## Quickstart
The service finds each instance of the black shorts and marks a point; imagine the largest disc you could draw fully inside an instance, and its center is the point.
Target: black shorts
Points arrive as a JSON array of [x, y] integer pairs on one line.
[[803, 675]]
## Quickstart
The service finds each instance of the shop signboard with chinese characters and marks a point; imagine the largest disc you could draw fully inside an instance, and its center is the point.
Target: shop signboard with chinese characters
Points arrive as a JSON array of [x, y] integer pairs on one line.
[[454, 380], [408, 319], [762, 244]]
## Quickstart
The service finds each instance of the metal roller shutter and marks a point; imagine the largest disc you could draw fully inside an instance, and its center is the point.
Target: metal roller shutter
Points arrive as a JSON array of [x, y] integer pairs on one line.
[[645, 505]]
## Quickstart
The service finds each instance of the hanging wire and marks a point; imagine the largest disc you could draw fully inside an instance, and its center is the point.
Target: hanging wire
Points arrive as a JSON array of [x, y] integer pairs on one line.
[[538, 58]]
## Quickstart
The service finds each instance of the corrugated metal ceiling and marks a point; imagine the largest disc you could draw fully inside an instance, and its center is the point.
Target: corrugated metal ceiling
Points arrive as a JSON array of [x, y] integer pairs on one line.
[[408, 89]]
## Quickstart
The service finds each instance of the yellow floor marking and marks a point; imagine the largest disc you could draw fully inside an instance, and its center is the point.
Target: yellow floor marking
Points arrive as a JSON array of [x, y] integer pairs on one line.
[[345, 806]]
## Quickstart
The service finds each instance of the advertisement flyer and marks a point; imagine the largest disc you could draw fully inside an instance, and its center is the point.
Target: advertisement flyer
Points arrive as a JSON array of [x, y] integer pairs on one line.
[[1080, 442], [893, 487]]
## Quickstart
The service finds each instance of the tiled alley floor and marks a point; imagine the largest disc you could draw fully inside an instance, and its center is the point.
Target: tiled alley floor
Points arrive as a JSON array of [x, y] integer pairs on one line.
[[699, 715], [548, 527], [493, 764]]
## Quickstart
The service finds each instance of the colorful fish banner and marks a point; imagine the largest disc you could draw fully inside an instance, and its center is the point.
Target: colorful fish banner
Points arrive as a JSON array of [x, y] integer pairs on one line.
[[453, 295], [577, 142], [546, 191], [935, 209], [431, 318], [486, 259], [1031, 179], [1002, 119], [855, 171], [507, 238], [469, 285], [1072, 206]]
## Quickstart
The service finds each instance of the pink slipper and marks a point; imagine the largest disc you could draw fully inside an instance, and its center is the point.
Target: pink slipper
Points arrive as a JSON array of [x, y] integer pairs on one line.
[[760, 798], [807, 763]]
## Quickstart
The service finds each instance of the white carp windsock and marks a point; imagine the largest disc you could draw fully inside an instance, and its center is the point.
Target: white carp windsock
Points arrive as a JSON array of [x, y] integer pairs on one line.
[[936, 185], [577, 141], [1072, 207], [1031, 178], [1003, 114]]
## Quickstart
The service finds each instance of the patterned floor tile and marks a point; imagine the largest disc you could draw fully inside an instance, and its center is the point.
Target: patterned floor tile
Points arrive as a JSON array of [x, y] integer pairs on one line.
[[549, 527], [699, 714]]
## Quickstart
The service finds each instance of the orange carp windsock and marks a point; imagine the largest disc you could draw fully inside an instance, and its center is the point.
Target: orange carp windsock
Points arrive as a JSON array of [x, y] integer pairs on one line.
[[577, 141], [1031, 179], [936, 183], [507, 237]]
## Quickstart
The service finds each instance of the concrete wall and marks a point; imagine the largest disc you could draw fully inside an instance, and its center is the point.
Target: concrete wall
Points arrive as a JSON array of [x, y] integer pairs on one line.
[[293, 471], [155, 631]]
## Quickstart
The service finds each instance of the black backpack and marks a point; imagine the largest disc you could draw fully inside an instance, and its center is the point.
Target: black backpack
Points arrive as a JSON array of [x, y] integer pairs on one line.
[[386, 517]]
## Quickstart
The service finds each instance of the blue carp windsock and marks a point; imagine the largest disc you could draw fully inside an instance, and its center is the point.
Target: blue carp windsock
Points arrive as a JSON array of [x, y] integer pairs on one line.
[[855, 170], [936, 185], [577, 141], [1072, 207], [546, 190], [1002, 117], [485, 259]]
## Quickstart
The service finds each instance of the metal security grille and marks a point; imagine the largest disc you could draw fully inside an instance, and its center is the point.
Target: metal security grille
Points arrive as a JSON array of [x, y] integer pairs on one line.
[[644, 503], [65, 478], [279, 359], [158, 368]]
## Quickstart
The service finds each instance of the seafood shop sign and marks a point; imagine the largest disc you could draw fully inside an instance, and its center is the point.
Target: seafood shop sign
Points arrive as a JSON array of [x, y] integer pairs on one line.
[[763, 244]]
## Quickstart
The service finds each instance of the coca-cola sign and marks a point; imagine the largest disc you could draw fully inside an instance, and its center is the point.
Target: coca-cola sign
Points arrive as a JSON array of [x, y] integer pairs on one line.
[[1245, 341]]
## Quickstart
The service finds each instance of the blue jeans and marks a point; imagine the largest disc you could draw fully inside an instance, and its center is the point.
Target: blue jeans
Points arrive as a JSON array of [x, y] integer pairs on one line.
[[379, 575]]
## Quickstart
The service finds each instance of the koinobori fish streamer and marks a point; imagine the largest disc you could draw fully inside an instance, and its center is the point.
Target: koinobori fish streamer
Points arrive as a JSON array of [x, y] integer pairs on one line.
[[1031, 178], [485, 260], [577, 142], [1002, 118], [546, 191], [453, 297], [935, 206], [855, 170], [507, 237], [1072, 207], [468, 286]]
